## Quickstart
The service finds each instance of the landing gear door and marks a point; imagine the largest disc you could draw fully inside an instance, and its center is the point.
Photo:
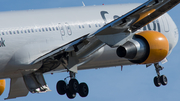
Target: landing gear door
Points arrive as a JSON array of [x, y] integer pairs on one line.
[[62, 31]]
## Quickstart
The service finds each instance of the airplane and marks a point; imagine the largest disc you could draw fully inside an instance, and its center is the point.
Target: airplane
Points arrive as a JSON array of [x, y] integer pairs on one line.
[[37, 42]]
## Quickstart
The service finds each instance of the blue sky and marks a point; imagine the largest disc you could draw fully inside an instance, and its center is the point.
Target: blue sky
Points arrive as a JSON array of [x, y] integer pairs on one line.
[[133, 83]]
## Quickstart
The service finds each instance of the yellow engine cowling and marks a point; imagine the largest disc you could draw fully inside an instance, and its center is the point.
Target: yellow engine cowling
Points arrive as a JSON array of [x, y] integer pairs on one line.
[[2, 86], [146, 47], [158, 45]]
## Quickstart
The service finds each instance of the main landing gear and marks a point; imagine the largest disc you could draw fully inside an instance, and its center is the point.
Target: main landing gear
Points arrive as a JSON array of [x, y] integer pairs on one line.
[[159, 79], [72, 87]]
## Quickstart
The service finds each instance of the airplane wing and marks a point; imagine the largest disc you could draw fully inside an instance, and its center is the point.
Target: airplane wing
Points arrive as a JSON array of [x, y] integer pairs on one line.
[[129, 22], [138, 17], [133, 20]]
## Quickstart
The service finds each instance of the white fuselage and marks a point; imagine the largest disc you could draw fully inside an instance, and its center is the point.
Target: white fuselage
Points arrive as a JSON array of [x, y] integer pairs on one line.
[[27, 35]]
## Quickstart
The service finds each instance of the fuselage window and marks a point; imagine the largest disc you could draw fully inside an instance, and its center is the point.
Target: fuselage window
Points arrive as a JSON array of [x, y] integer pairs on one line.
[[68, 29], [89, 26], [49, 29], [21, 31], [82, 26], [96, 25], [28, 31], [39, 30], [2, 33], [25, 31], [17, 31], [32, 30], [46, 29], [35, 30], [10, 32], [57, 28], [53, 29], [43, 29], [99, 25], [14, 32]]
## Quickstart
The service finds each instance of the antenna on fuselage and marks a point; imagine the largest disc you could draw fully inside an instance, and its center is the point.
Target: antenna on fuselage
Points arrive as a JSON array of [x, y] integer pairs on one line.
[[83, 3]]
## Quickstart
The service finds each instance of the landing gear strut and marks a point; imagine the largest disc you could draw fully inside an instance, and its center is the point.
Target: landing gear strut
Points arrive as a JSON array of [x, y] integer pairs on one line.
[[159, 79], [71, 88]]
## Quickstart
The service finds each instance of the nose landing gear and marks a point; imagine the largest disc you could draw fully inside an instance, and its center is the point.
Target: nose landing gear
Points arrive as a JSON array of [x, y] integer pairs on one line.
[[159, 79]]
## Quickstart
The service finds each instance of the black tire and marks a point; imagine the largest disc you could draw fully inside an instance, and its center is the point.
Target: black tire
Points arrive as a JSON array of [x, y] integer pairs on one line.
[[61, 87], [157, 82], [83, 89], [73, 86], [70, 95], [163, 80]]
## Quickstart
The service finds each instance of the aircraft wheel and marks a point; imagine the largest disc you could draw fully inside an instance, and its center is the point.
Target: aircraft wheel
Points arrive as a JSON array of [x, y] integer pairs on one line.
[[83, 89], [157, 83], [69, 94], [61, 87], [163, 80], [73, 85]]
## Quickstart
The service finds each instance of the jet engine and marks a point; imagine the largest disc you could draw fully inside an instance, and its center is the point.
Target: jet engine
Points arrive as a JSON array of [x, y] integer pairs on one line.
[[145, 47], [2, 86]]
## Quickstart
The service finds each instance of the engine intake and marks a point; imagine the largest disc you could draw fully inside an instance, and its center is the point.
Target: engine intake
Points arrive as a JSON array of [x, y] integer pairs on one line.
[[146, 47]]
